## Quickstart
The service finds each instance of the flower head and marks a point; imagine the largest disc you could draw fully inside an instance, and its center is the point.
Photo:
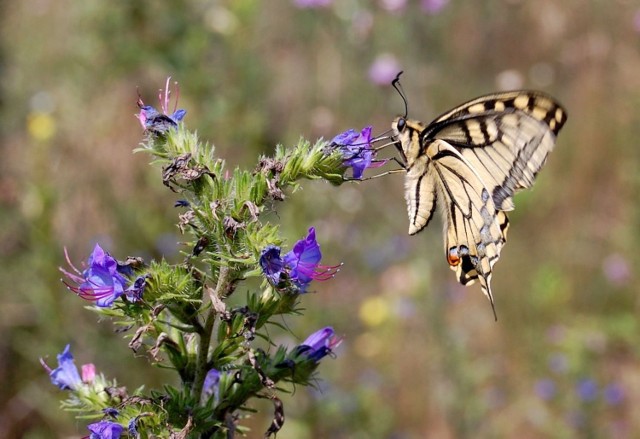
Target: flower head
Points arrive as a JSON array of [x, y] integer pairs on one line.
[[301, 265], [545, 388], [319, 344], [101, 281], [587, 389], [155, 121], [357, 151], [105, 430], [66, 375]]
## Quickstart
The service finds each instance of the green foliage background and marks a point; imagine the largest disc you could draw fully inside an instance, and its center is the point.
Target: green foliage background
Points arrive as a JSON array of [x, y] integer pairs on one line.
[[422, 355]]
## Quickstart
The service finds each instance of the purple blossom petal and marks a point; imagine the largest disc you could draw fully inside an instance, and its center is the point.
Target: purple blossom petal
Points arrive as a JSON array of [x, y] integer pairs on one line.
[[432, 7], [613, 394], [105, 430], [587, 389], [66, 375], [272, 264], [545, 389], [319, 344]]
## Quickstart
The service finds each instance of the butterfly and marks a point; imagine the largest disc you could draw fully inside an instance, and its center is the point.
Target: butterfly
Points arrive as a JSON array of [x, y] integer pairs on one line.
[[468, 163]]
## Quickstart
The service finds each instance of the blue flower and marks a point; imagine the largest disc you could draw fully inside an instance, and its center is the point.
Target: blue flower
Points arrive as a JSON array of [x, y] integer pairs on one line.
[[545, 389], [105, 430], [101, 282], [613, 394], [136, 290], [154, 121], [301, 265], [272, 264], [587, 389], [211, 385], [319, 344], [357, 151], [66, 375]]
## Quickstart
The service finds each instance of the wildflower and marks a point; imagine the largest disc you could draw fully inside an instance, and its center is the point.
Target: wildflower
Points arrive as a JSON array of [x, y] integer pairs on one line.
[[272, 264], [357, 151], [384, 69], [88, 372], [301, 265], [304, 4], [135, 291], [101, 281], [66, 375], [545, 389], [154, 121], [105, 430], [432, 7], [587, 389], [319, 344], [613, 394], [211, 385]]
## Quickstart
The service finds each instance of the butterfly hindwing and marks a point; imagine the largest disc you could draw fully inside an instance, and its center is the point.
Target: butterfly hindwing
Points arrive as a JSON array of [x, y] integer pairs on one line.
[[473, 233]]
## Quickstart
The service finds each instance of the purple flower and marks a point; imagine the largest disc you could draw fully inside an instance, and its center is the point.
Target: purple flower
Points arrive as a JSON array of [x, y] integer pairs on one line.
[[154, 121], [100, 282], [308, 4], [432, 7], [105, 430], [136, 290], [587, 389], [66, 375], [319, 344], [384, 69], [272, 264], [356, 150], [613, 394], [545, 389], [211, 385], [301, 265]]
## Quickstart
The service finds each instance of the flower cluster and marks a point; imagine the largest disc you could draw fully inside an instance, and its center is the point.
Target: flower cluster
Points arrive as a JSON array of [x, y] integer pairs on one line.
[[301, 265], [357, 151], [103, 281]]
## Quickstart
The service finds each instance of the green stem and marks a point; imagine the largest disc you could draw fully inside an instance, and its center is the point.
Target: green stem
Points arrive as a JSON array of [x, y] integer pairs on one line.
[[205, 336]]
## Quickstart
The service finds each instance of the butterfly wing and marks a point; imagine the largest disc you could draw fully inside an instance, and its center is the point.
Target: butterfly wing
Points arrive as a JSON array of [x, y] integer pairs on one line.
[[474, 229], [505, 137]]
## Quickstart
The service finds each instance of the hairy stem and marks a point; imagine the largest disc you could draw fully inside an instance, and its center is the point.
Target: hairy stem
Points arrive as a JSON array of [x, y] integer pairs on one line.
[[205, 335]]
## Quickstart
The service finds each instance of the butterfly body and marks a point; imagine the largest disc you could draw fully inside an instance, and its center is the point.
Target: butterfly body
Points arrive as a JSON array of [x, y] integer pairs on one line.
[[468, 163]]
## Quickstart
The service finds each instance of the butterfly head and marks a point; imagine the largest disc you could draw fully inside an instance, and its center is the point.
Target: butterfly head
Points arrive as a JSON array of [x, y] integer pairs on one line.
[[406, 135]]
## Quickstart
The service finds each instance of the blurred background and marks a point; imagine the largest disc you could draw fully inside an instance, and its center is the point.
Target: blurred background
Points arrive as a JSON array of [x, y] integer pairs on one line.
[[422, 356]]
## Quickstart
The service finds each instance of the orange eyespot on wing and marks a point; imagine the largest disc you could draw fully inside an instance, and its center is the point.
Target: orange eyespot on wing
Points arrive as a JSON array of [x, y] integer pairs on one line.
[[453, 257]]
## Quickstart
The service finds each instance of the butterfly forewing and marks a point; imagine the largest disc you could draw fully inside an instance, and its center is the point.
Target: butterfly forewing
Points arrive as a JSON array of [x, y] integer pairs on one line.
[[470, 161], [506, 137]]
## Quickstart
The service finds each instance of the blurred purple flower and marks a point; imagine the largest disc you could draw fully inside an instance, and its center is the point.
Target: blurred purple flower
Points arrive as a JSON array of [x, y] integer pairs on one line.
[[100, 282], [393, 6], [432, 7], [211, 385], [105, 430], [636, 21], [613, 394], [66, 375], [558, 363], [152, 120], [301, 264], [357, 151], [587, 389], [545, 389], [384, 69], [308, 4], [319, 344], [616, 269], [132, 428]]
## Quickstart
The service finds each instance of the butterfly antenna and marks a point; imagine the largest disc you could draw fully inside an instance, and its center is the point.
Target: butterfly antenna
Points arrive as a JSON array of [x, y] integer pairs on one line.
[[396, 84]]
